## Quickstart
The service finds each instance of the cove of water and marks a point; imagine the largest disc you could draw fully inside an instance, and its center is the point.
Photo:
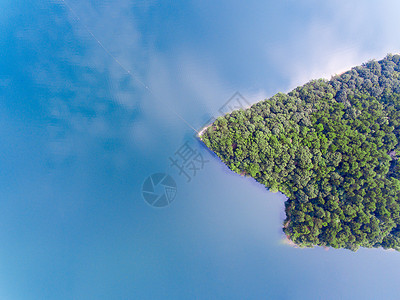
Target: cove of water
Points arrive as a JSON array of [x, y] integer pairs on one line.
[[92, 97]]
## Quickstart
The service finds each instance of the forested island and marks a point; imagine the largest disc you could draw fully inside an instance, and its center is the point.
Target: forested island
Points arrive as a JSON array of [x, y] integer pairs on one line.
[[332, 148]]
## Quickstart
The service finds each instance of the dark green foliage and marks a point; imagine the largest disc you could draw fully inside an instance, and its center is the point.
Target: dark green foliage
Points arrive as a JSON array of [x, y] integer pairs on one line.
[[332, 147]]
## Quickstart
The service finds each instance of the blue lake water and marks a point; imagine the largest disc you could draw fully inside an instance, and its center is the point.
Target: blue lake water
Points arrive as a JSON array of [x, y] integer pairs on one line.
[[80, 133]]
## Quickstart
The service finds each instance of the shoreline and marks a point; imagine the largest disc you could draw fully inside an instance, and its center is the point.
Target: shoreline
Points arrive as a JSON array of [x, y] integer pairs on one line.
[[200, 133], [288, 242]]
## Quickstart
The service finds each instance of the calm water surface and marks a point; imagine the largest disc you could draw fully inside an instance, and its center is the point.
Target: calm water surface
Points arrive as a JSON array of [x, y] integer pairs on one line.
[[79, 135]]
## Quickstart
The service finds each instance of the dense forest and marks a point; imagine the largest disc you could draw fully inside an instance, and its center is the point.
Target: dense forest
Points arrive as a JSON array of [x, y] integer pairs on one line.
[[332, 148]]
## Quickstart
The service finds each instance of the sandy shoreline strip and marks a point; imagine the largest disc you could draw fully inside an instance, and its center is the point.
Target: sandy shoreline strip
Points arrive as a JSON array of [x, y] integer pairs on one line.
[[286, 241], [203, 130]]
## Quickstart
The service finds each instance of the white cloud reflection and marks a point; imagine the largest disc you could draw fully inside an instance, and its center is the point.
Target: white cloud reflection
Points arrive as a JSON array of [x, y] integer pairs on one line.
[[346, 35], [105, 102]]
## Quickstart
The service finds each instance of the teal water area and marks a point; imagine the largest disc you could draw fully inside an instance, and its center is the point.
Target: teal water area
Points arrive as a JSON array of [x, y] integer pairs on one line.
[[79, 135]]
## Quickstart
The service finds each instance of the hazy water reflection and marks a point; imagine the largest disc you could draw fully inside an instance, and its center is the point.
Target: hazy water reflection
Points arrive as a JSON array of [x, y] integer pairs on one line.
[[79, 135]]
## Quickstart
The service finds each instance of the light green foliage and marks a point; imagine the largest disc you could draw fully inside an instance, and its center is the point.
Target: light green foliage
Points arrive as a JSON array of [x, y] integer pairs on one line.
[[332, 148]]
